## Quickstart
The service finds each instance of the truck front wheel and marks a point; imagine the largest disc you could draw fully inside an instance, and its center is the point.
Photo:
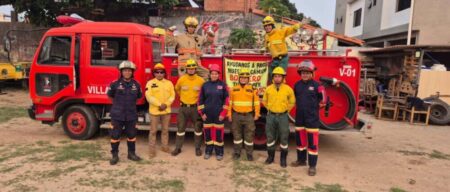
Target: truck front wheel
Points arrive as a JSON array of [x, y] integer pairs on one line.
[[79, 122]]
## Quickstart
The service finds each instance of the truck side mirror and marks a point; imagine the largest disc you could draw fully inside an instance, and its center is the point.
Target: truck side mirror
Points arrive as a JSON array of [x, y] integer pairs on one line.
[[6, 44]]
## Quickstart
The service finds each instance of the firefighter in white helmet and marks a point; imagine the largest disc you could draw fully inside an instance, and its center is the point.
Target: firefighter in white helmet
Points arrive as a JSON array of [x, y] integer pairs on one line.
[[189, 45]]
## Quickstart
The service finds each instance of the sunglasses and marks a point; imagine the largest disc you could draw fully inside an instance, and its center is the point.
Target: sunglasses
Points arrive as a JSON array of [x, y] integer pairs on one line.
[[193, 26], [160, 72]]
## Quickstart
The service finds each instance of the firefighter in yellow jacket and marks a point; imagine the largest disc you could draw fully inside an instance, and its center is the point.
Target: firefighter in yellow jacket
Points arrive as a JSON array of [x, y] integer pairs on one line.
[[279, 99], [275, 42], [188, 88], [244, 111], [189, 45], [160, 95]]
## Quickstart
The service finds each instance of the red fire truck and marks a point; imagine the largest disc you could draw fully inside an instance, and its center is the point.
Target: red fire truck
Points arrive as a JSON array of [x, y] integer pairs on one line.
[[74, 65]]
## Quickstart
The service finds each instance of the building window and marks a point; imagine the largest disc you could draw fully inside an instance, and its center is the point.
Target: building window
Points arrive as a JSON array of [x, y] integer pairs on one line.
[[55, 51], [374, 2], [403, 4], [357, 17]]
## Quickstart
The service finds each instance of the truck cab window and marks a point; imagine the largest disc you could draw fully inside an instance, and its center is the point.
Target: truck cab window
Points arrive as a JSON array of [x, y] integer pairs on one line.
[[109, 51], [55, 51]]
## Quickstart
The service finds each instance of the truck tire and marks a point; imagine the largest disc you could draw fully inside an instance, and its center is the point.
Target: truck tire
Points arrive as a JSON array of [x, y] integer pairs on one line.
[[439, 112], [79, 122]]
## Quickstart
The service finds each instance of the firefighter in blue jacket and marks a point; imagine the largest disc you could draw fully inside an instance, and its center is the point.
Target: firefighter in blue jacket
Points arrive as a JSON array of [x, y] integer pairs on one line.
[[212, 107], [124, 93], [310, 97]]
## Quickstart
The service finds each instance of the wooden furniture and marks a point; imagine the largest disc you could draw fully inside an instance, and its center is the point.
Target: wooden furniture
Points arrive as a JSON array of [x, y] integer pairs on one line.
[[413, 112], [386, 105]]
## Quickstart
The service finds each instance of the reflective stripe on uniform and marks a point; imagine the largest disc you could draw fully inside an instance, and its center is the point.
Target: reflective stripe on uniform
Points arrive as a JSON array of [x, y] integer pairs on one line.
[[206, 126], [198, 133], [115, 141], [312, 130], [200, 107], [301, 148], [313, 152], [248, 143], [238, 142], [271, 144], [181, 134], [209, 142], [283, 146], [219, 126], [133, 139], [218, 143], [243, 103], [299, 128]]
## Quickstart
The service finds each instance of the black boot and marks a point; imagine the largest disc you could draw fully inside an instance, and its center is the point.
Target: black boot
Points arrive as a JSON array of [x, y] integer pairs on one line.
[[198, 152], [114, 159], [283, 157], [132, 156], [270, 157], [299, 161], [236, 156], [176, 151], [249, 157]]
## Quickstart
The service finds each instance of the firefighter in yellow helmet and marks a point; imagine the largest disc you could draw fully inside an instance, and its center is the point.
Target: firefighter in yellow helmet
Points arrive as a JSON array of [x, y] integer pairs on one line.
[[275, 42], [243, 111], [160, 95], [189, 45], [279, 99], [188, 88]]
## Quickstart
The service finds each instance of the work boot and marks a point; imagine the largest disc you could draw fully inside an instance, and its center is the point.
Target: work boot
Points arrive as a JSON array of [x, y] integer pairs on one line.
[[176, 151], [198, 152], [298, 163], [249, 157], [283, 157], [270, 157], [114, 159], [312, 171], [236, 156], [207, 156], [132, 156], [219, 157]]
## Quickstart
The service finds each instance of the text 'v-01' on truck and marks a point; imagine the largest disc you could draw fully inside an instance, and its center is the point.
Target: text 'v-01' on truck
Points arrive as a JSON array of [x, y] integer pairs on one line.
[[74, 65]]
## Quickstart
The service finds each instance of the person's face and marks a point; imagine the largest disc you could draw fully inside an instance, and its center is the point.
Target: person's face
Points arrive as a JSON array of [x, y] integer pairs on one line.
[[159, 74], [243, 80], [214, 75], [127, 73], [306, 75], [191, 29], [268, 28], [277, 79], [190, 71]]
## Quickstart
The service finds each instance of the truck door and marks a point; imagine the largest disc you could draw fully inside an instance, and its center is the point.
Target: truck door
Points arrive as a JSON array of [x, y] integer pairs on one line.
[[53, 73]]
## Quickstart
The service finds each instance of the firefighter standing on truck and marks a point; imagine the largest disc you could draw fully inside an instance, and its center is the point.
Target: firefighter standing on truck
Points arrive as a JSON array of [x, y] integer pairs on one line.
[[212, 107], [243, 111], [189, 45], [310, 97], [279, 99], [124, 93], [188, 88], [160, 95], [276, 44]]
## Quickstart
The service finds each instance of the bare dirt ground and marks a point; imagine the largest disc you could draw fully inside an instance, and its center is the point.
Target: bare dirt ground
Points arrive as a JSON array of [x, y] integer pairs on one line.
[[399, 157]]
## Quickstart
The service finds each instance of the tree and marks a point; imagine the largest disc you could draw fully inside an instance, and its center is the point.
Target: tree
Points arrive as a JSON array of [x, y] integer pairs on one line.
[[242, 38], [283, 8]]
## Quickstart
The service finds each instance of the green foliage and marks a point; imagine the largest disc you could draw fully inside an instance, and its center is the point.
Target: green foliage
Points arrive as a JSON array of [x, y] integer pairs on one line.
[[283, 8], [242, 38]]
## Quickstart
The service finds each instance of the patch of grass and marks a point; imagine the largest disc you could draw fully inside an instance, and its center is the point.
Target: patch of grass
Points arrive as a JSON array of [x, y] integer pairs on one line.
[[22, 187], [319, 187], [25, 150], [9, 169], [439, 155], [79, 151], [396, 189], [103, 183], [162, 184], [8, 113], [412, 153], [58, 172], [259, 178]]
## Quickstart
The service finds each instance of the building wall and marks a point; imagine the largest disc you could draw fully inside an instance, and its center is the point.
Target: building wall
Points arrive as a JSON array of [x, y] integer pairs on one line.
[[351, 8], [340, 16], [432, 20], [230, 5], [390, 18]]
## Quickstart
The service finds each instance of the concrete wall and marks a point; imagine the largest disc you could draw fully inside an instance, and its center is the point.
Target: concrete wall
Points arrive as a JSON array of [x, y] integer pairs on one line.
[[24, 43], [351, 8], [391, 18], [432, 20], [340, 14], [230, 5]]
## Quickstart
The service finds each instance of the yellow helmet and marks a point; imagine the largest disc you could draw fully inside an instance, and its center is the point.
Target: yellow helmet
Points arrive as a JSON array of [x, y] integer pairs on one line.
[[159, 66], [244, 72], [268, 20], [279, 71], [191, 21], [191, 64], [127, 65]]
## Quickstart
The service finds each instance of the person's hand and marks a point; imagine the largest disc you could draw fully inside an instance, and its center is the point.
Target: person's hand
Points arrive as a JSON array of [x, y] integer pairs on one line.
[[221, 118], [163, 107], [256, 118], [204, 117], [322, 105], [173, 28]]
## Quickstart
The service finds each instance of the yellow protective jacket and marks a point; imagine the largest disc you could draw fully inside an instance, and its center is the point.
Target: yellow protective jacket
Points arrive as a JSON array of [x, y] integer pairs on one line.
[[275, 40], [279, 101], [159, 92], [188, 87], [189, 46], [244, 100]]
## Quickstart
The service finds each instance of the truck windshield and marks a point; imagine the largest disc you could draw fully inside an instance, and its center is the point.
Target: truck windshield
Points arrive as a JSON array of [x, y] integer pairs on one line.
[[55, 51]]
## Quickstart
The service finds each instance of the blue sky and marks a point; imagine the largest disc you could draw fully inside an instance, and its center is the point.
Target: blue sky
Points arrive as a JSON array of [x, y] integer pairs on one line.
[[320, 10]]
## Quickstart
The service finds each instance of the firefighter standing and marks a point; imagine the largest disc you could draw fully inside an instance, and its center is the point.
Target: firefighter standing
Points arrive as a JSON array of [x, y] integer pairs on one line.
[[189, 45], [275, 42], [160, 95], [310, 97], [243, 111], [212, 107], [124, 94], [279, 99], [188, 87]]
